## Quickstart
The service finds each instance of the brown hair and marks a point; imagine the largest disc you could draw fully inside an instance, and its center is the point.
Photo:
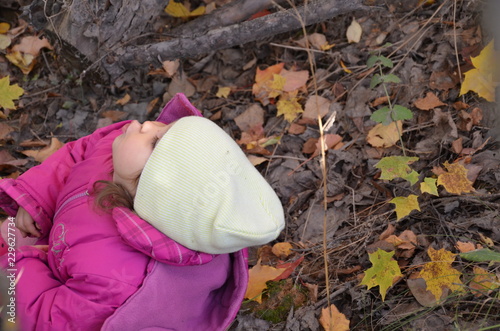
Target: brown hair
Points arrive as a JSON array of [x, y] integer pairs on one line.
[[109, 195]]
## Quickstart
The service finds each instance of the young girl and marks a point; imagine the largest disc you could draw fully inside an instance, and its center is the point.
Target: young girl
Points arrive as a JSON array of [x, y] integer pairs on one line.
[[146, 226]]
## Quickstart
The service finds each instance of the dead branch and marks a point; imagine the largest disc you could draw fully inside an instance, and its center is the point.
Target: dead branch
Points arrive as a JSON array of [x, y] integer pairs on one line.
[[231, 13], [229, 36]]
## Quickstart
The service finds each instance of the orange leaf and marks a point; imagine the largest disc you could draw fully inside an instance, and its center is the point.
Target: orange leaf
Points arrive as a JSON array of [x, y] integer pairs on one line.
[[263, 82], [430, 101], [258, 276], [333, 320], [282, 249]]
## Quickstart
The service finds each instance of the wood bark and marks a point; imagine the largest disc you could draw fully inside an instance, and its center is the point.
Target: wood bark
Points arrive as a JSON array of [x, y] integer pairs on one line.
[[107, 33], [229, 36]]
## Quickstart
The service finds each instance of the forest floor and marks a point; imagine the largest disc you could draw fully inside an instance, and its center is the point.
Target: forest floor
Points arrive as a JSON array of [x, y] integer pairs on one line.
[[424, 44]]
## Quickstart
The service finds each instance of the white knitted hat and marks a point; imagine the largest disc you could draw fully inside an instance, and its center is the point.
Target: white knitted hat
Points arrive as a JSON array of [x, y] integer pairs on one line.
[[199, 189]]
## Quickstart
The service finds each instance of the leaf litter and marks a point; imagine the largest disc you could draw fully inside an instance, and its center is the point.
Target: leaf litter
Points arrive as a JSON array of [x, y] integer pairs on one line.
[[265, 97]]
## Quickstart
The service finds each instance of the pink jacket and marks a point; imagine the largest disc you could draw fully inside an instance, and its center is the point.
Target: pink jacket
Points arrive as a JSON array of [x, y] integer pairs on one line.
[[111, 271]]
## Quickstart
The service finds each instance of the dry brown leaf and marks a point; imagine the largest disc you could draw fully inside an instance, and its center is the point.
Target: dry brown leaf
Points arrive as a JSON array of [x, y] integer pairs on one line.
[[456, 146], [296, 128], [387, 232], [170, 67], [31, 45], [332, 319], [354, 32], [385, 135], [484, 282], [44, 153], [294, 80], [252, 116], [114, 115], [430, 101], [123, 101], [5, 130], [316, 105], [455, 180]]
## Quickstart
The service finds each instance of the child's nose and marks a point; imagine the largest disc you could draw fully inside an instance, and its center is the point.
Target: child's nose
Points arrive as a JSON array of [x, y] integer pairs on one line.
[[147, 126]]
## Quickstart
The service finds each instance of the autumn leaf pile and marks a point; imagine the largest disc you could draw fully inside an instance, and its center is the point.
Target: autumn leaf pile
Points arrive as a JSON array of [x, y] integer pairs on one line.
[[411, 187]]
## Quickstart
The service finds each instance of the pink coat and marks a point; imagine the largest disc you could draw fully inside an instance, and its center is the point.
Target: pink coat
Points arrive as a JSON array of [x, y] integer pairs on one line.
[[111, 271]]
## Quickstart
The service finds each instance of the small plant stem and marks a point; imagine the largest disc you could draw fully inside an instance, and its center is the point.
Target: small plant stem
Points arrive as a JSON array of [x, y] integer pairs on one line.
[[400, 134]]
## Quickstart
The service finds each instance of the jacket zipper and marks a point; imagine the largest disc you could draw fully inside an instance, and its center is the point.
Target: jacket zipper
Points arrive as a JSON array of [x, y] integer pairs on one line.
[[74, 197]]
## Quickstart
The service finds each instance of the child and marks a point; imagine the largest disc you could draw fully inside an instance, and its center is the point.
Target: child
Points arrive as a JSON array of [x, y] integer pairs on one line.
[[176, 261]]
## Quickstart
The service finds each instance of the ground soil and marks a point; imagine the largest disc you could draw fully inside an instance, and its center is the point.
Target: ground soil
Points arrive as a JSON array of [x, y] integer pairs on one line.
[[63, 102]]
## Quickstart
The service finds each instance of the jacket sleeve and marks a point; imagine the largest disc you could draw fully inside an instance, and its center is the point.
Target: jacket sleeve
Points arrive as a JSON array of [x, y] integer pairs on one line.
[[82, 303], [37, 189]]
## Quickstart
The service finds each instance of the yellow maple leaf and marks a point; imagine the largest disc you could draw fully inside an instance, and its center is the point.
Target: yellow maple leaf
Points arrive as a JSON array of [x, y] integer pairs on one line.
[[333, 320], [385, 135], [404, 205], [9, 93], [223, 92], [177, 9], [455, 179], [258, 276], [438, 273], [429, 186], [289, 107], [481, 79], [384, 271]]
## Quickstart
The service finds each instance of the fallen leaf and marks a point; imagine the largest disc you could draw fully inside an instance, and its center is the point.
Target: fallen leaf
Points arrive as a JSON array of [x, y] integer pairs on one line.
[[289, 268], [418, 287], [251, 117], [465, 247], [42, 154], [25, 62], [316, 105], [9, 93], [316, 40], [296, 128], [282, 250], [430, 101], [5, 41], [429, 186], [32, 45], [177, 9], [383, 273], [438, 273], [294, 80], [262, 89], [387, 232], [385, 136], [4, 27], [481, 79], [354, 32], [484, 282], [258, 276], [331, 141], [170, 67], [405, 205], [397, 167], [223, 92], [332, 319], [114, 115], [290, 108], [455, 179], [256, 160], [123, 101]]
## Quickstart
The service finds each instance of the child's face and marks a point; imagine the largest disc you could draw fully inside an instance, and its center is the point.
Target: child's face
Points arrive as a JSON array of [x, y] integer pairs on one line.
[[132, 149]]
